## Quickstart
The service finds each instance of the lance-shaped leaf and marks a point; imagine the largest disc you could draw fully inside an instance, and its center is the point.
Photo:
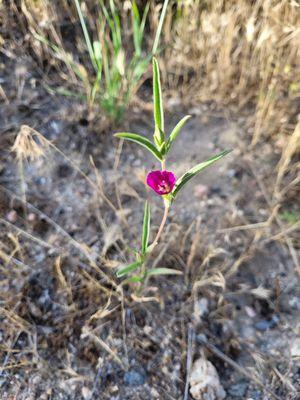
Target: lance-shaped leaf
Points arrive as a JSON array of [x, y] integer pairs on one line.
[[146, 228], [176, 130], [195, 170], [126, 269], [141, 140], [158, 105], [163, 271]]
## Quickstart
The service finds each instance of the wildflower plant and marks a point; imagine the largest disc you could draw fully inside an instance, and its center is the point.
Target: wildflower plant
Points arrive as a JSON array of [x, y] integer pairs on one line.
[[115, 53], [162, 182]]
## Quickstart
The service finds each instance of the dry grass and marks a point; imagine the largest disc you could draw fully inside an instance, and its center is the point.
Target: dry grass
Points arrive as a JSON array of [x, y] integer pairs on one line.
[[241, 55]]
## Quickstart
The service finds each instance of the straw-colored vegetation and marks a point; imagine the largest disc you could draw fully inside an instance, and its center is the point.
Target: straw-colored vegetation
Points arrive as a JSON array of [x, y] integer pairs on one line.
[[239, 60]]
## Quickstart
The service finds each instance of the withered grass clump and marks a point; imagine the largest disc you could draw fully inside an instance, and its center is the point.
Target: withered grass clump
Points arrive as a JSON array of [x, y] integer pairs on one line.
[[29, 144], [239, 52], [235, 53]]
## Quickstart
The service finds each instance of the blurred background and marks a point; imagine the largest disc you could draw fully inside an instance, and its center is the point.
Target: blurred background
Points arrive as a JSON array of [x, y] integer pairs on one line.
[[71, 198]]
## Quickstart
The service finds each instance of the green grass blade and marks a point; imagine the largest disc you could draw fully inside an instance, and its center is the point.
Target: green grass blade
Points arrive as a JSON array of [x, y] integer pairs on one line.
[[97, 48], [86, 35], [132, 279], [196, 170], [159, 28], [117, 32], [176, 130], [163, 271], [126, 269], [141, 140], [146, 228], [136, 21], [145, 13], [158, 105]]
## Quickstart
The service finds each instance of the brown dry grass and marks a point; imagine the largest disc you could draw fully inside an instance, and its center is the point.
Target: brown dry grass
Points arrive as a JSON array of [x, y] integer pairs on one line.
[[239, 53], [244, 57]]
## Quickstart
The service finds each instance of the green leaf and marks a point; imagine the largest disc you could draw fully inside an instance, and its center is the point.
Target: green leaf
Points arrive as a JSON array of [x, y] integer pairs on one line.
[[132, 279], [126, 269], [136, 28], [146, 228], [158, 106], [159, 27], [98, 54], [143, 141], [163, 271], [86, 35], [176, 131], [143, 22], [195, 170]]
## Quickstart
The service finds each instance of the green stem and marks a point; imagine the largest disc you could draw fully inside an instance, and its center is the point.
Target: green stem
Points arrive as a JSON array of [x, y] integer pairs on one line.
[[157, 237]]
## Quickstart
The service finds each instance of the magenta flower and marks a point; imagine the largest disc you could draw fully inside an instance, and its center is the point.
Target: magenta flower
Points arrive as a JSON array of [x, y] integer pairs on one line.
[[162, 182]]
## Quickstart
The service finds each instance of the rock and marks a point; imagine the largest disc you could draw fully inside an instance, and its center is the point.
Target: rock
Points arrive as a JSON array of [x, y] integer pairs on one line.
[[294, 303], [204, 381], [264, 324], [254, 395], [231, 173], [134, 378], [200, 191], [250, 312], [12, 216], [200, 308], [239, 389], [295, 348], [86, 393]]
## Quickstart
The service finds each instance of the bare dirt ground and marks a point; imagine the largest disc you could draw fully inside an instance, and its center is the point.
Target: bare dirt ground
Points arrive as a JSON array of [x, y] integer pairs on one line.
[[65, 335]]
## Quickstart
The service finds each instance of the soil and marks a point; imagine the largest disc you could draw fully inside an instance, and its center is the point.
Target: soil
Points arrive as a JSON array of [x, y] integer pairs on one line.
[[239, 291]]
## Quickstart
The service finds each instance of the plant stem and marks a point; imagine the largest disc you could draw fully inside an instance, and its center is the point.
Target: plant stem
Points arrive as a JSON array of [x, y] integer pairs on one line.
[[154, 243], [163, 222], [163, 165]]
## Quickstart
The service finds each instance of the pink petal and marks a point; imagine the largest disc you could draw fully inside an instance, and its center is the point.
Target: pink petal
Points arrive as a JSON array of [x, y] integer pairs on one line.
[[162, 182]]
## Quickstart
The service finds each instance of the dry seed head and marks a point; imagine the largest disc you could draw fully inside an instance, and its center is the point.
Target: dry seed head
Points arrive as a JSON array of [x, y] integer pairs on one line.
[[25, 145]]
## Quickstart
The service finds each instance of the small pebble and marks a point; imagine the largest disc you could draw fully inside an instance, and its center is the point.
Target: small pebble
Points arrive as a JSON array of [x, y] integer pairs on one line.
[[215, 189], [31, 217], [86, 392], [254, 395], [264, 324], [11, 216], [231, 173], [295, 348], [238, 390], [134, 378], [200, 191]]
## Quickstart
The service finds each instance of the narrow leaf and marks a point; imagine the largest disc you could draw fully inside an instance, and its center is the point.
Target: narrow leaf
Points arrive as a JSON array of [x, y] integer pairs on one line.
[[176, 131], [163, 271], [143, 141], [157, 100], [195, 170], [145, 13], [86, 35], [136, 28], [146, 228], [159, 27], [132, 279], [97, 52], [126, 269]]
